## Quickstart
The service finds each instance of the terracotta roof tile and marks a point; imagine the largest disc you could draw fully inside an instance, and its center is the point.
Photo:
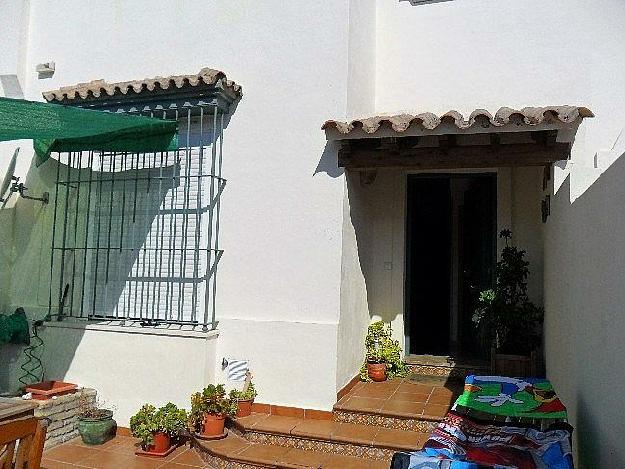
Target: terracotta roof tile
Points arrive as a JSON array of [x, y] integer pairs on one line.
[[98, 88], [529, 116]]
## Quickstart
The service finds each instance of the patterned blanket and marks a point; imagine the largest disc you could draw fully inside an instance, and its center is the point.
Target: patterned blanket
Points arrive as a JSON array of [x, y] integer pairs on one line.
[[461, 439], [532, 398]]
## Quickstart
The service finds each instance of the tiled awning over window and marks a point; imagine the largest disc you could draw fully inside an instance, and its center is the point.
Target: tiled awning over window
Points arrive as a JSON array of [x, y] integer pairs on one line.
[[527, 137]]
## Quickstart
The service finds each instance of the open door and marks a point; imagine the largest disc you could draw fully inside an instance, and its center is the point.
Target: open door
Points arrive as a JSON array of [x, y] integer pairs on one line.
[[450, 257], [428, 245]]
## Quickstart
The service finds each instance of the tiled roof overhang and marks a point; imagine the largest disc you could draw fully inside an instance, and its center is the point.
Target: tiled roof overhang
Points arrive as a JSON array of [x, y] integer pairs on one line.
[[531, 136], [480, 121], [208, 85]]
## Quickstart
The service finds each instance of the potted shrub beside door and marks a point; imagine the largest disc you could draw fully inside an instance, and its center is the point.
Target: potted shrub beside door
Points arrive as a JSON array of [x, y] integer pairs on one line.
[[158, 429], [507, 320], [376, 367], [209, 410], [384, 357]]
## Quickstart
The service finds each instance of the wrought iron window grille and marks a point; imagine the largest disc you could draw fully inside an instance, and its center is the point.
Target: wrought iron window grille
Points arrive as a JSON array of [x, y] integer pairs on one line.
[[135, 237]]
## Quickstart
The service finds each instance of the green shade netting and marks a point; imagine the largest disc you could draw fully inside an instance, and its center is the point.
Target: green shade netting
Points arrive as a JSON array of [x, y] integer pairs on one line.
[[54, 127]]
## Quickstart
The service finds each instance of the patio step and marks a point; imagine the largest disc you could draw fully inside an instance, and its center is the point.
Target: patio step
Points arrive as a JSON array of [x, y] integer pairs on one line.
[[446, 367], [236, 452], [327, 436], [416, 405]]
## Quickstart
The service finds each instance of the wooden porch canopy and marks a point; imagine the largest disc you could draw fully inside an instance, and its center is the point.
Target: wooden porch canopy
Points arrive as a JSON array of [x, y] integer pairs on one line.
[[535, 136]]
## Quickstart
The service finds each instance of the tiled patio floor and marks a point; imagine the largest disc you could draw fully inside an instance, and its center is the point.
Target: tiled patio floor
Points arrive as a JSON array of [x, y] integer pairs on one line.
[[414, 398], [117, 453]]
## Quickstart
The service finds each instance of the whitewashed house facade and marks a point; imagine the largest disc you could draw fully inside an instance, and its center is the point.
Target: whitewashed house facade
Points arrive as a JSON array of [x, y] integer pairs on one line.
[[315, 246]]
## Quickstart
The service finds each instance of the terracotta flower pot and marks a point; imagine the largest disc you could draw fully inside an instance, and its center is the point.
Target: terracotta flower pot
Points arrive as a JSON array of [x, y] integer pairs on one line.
[[244, 407], [161, 443], [213, 425], [377, 371]]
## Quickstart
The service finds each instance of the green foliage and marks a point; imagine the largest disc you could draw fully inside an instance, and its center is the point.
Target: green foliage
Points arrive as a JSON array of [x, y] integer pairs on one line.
[[150, 420], [212, 400], [382, 348], [505, 317], [244, 395]]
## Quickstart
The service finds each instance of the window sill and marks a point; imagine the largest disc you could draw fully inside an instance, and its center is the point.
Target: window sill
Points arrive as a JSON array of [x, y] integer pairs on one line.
[[170, 330]]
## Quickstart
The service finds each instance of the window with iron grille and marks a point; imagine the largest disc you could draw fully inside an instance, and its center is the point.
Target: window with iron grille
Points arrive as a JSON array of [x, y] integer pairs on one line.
[[136, 236]]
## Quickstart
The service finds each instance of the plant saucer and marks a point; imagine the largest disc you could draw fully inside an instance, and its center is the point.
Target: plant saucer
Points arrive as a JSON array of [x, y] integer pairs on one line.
[[199, 436]]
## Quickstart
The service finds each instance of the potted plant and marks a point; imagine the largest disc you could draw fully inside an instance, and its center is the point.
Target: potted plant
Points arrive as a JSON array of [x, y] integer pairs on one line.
[[95, 423], [209, 410], [505, 317], [245, 397], [158, 428], [384, 356], [376, 366]]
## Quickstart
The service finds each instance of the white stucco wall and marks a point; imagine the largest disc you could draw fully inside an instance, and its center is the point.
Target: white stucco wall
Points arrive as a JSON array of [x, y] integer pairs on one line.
[[354, 312], [280, 274], [130, 367], [486, 54]]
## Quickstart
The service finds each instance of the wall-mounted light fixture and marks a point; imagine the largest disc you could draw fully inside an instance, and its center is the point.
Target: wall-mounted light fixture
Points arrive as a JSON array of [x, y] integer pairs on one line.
[[45, 70]]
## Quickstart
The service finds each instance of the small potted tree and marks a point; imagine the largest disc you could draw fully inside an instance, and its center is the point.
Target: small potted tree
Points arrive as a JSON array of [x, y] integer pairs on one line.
[[384, 356], [245, 397], [158, 429], [506, 319], [209, 410], [95, 423]]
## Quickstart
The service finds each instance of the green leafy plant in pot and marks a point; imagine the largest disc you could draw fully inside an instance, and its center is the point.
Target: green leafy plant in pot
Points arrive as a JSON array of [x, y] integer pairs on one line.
[[505, 317], [245, 397], [95, 423], [384, 356], [159, 428], [209, 410]]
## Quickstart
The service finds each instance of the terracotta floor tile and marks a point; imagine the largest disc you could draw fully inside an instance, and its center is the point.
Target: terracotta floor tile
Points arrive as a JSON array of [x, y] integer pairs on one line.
[[226, 447], [189, 457], [443, 391], [262, 454], [70, 453], [303, 458], [373, 391], [173, 465], [315, 428], [353, 433], [415, 388], [50, 464], [402, 408], [276, 424], [337, 461], [110, 459], [379, 464], [394, 439], [125, 445], [250, 420], [441, 399], [363, 404], [435, 410], [176, 452], [410, 397]]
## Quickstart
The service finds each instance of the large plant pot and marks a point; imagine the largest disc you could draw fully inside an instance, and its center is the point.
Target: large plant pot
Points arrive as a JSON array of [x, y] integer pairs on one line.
[[97, 431], [244, 407], [376, 371], [213, 425], [512, 365]]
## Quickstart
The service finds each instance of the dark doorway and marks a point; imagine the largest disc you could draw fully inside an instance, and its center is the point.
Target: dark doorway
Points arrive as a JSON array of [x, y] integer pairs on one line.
[[450, 257]]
